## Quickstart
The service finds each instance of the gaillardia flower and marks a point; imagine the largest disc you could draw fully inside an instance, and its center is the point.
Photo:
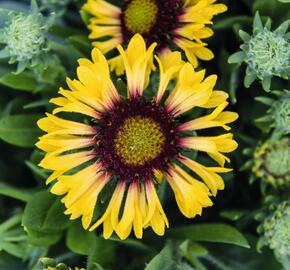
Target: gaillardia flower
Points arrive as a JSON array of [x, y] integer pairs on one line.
[[130, 143], [170, 23], [266, 53]]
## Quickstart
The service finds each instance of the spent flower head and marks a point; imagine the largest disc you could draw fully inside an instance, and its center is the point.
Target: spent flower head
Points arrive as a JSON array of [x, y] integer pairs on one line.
[[24, 38], [266, 53]]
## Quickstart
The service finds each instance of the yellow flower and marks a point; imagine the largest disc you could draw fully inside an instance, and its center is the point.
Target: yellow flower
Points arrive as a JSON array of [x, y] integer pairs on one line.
[[128, 144], [169, 23]]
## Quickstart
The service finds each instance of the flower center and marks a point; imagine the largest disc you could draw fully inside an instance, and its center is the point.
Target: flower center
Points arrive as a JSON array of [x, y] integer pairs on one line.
[[140, 15], [136, 138], [139, 140]]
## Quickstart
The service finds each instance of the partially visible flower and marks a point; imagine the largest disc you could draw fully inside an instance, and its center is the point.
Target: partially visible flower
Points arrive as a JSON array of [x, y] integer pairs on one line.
[[275, 230], [51, 264], [24, 39], [169, 23], [266, 53], [278, 115], [129, 143], [271, 162]]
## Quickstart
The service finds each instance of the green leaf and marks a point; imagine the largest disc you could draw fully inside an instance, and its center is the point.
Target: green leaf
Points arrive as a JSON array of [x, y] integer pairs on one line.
[[132, 243], [244, 36], [20, 130], [74, 234], [11, 237], [36, 170], [228, 22], [249, 79], [219, 233], [257, 25], [102, 251], [81, 43], [14, 192], [42, 239], [233, 215], [44, 213], [265, 100], [266, 83], [282, 29], [162, 261], [237, 57], [23, 81]]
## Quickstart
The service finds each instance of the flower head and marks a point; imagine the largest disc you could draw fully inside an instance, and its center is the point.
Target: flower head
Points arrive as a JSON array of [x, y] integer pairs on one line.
[[266, 53], [272, 162], [169, 23], [24, 38], [275, 229], [129, 143]]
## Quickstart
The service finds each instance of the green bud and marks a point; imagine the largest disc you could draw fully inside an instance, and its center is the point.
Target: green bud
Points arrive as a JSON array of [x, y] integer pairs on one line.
[[268, 54], [272, 162], [265, 52], [276, 229], [24, 37]]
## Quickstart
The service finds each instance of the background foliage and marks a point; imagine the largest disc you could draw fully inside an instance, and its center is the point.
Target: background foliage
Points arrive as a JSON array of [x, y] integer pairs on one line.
[[33, 227]]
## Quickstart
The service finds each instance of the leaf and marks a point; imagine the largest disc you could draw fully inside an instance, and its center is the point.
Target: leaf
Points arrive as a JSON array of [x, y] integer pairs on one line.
[[244, 36], [265, 100], [230, 21], [219, 233], [81, 43], [162, 261], [266, 83], [73, 236], [257, 24], [233, 214], [11, 237], [132, 242], [20, 130], [237, 57], [44, 213], [102, 251], [42, 239], [15, 193], [23, 81]]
